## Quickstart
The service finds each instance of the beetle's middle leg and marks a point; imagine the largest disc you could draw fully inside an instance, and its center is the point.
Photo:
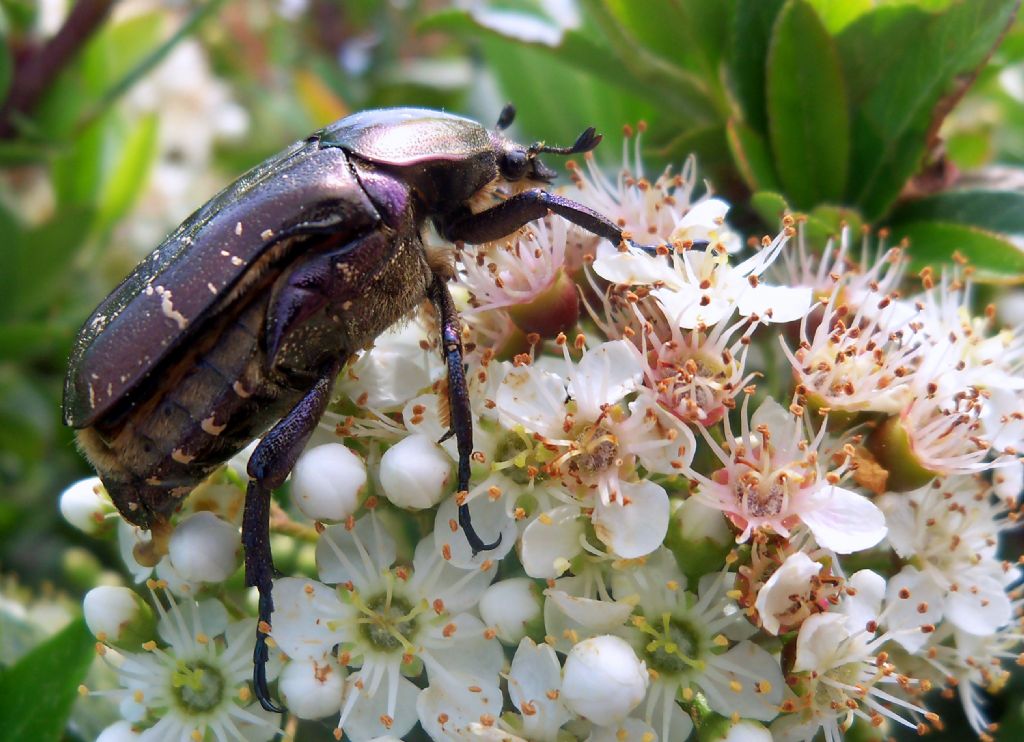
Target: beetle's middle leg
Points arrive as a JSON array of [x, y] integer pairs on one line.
[[458, 400], [268, 467]]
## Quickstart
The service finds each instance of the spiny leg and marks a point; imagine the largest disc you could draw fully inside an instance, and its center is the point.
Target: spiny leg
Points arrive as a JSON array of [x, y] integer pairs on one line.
[[458, 399], [268, 467]]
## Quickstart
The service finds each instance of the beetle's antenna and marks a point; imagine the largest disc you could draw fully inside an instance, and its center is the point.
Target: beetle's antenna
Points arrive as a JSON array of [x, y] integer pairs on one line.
[[506, 117], [584, 143]]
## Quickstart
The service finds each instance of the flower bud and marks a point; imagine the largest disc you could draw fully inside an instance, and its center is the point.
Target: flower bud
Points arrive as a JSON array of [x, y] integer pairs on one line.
[[603, 680], [119, 617], [415, 473], [86, 505], [328, 482], [312, 690], [204, 548], [718, 728], [554, 310], [509, 607], [699, 538]]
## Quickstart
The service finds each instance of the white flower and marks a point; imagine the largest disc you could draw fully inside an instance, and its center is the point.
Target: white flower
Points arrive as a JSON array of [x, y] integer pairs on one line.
[[204, 548], [196, 680], [604, 680], [384, 620], [951, 532], [685, 642], [328, 482], [535, 688], [774, 480], [790, 584]]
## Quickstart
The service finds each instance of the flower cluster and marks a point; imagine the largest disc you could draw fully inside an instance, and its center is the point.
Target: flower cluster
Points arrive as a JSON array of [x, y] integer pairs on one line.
[[754, 489]]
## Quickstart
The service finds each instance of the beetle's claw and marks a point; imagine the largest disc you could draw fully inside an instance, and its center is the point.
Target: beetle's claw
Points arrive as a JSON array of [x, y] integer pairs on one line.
[[259, 675], [476, 544], [446, 436]]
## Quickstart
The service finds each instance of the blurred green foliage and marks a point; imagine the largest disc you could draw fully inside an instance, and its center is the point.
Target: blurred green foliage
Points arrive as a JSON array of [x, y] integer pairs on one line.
[[905, 114]]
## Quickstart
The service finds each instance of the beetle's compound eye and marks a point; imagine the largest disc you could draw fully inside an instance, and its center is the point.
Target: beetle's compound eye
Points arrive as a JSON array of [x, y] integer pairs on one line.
[[515, 164]]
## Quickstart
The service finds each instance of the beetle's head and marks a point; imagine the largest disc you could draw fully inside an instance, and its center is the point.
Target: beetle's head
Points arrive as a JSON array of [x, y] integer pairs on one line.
[[518, 162]]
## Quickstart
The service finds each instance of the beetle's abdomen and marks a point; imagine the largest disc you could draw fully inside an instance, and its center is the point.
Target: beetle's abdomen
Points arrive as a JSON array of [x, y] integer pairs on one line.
[[200, 411]]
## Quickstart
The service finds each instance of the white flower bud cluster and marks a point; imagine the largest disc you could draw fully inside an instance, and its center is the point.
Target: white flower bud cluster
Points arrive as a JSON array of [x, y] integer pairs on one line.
[[674, 471]]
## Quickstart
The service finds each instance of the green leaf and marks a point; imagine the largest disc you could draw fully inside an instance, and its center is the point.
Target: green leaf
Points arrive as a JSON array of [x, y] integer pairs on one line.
[[933, 243], [771, 207], [808, 120], [901, 64], [128, 175], [996, 211], [36, 694], [837, 14], [752, 158], [751, 34]]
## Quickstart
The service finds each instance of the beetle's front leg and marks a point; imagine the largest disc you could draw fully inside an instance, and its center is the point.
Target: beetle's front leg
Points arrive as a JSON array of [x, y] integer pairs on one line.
[[268, 467], [458, 399], [514, 212]]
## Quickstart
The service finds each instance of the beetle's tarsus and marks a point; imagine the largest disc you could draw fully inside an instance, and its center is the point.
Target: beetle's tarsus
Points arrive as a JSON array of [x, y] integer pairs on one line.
[[446, 436], [268, 467], [476, 544]]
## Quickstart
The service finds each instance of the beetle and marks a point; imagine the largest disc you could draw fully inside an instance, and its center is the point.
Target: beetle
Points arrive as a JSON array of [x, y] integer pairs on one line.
[[237, 324]]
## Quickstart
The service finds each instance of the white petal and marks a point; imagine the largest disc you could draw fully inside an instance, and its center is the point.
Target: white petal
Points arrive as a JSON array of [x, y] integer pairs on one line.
[[752, 668], [550, 541], [605, 375], [534, 399], [359, 555], [775, 303], [904, 617], [638, 526], [491, 521], [512, 607], [364, 720], [632, 729], [819, 638], [302, 610], [844, 521], [536, 679], [434, 578], [866, 604], [312, 689], [461, 644], [630, 267], [448, 697], [979, 607]]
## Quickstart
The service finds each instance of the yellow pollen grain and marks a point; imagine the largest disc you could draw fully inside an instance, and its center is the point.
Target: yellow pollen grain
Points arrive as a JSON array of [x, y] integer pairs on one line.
[[138, 696], [721, 641]]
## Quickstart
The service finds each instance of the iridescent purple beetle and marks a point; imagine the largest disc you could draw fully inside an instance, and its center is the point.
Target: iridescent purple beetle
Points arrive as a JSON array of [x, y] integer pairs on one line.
[[241, 319]]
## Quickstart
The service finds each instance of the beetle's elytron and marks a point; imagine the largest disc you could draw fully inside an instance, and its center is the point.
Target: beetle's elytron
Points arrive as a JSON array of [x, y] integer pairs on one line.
[[243, 317]]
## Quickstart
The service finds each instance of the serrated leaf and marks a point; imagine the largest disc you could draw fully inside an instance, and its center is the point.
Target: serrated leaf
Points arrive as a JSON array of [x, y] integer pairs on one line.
[[808, 120], [900, 62], [37, 693], [996, 211], [126, 179], [752, 158], [751, 34], [933, 243], [771, 207]]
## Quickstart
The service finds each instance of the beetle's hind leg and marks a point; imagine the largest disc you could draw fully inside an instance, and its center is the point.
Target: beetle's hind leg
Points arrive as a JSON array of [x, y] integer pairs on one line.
[[458, 399], [268, 467]]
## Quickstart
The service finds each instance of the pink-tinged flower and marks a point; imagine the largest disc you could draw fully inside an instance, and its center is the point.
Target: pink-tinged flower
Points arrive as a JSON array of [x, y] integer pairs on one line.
[[655, 211], [697, 287], [772, 479]]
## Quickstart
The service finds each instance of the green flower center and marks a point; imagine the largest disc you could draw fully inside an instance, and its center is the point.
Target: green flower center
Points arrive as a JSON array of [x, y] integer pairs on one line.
[[675, 645], [388, 622], [197, 686]]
